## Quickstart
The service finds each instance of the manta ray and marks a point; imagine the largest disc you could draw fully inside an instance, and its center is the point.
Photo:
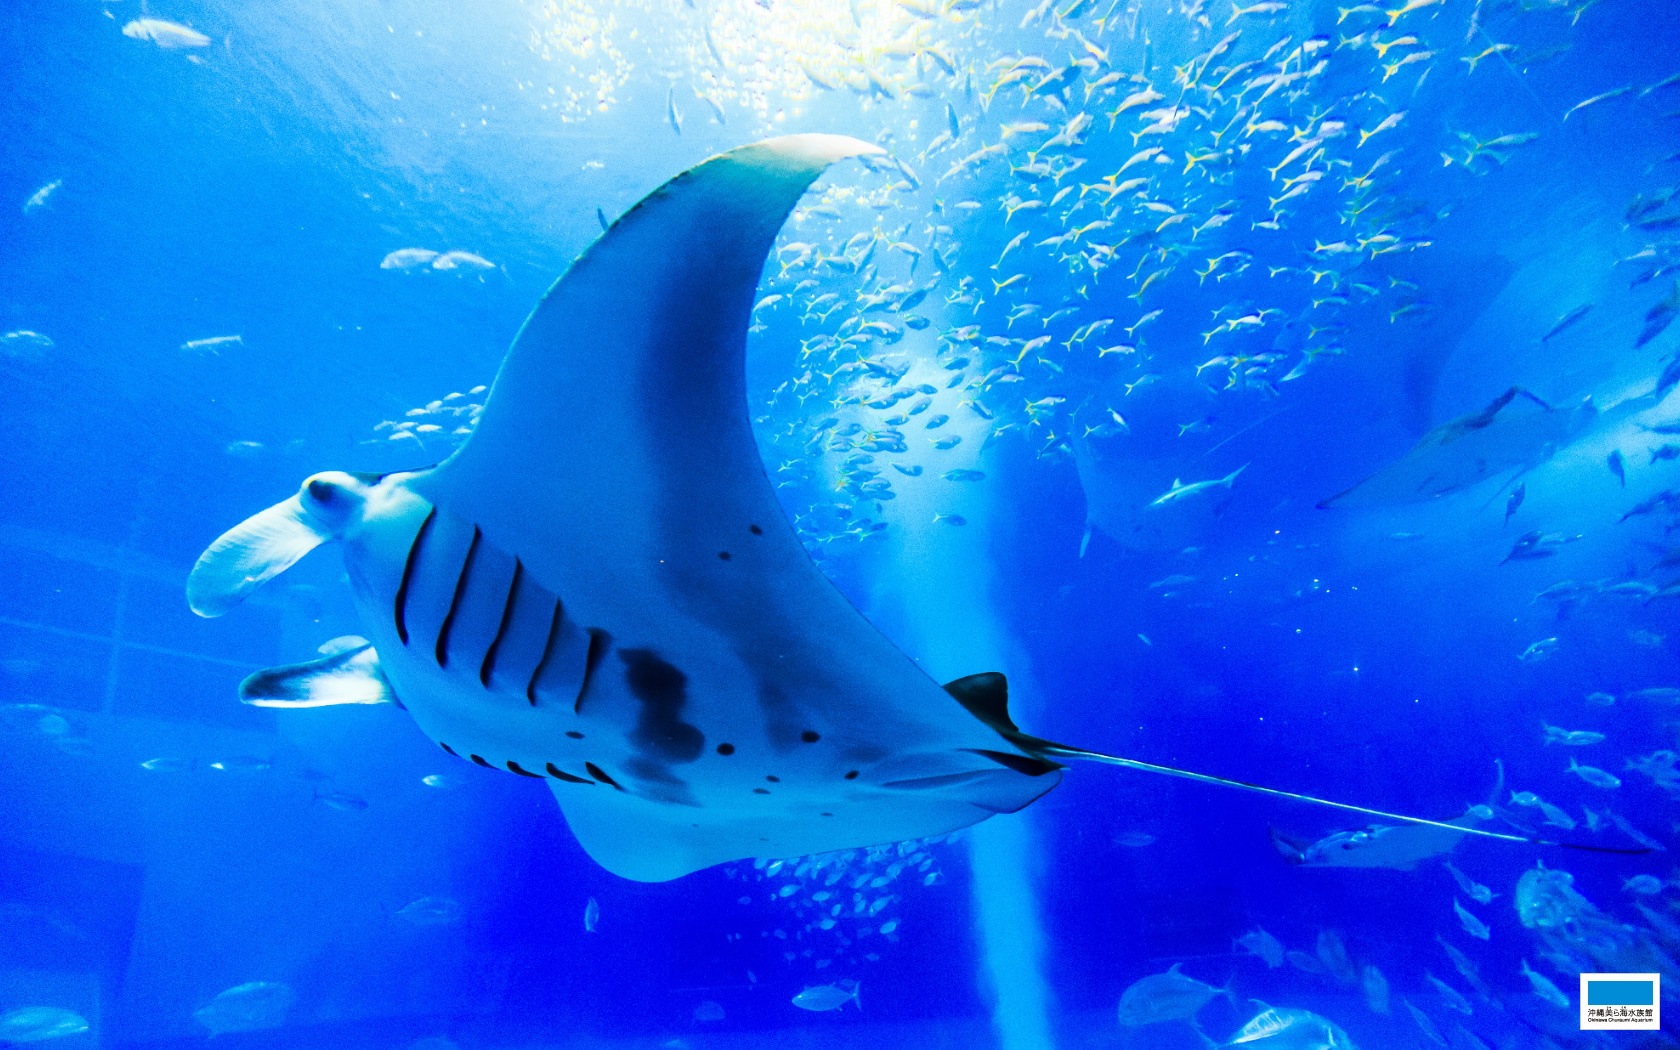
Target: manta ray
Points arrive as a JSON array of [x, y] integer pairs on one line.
[[1515, 431], [599, 590]]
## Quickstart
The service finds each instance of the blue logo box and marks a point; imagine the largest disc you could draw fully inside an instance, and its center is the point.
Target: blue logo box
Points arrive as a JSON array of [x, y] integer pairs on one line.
[[1625, 1001]]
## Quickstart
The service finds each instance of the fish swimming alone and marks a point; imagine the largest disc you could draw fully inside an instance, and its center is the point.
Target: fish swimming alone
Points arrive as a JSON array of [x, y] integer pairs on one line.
[[34, 1024], [1170, 996], [171, 36], [825, 997], [607, 597], [39, 198], [1180, 490]]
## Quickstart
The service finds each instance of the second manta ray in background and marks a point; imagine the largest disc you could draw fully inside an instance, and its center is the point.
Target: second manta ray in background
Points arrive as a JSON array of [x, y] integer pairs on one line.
[[599, 589], [1516, 431], [1401, 847]]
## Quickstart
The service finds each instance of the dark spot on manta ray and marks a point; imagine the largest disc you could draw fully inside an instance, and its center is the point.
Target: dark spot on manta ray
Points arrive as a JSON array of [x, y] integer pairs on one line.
[[760, 791], [852, 774], [774, 780], [481, 762], [574, 734], [810, 736], [755, 530], [560, 774], [662, 689], [726, 749], [723, 555]]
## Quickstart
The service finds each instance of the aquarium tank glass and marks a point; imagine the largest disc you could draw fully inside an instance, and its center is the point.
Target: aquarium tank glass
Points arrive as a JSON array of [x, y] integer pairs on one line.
[[1019, 524]]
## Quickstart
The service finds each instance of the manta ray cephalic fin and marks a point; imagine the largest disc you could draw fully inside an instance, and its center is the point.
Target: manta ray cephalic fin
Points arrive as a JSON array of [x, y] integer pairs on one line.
[[263, 546], [250, 554], [348, 677]]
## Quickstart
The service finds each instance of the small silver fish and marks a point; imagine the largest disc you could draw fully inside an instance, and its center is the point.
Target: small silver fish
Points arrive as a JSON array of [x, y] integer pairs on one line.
[[341, 802], [240, 764], [1262, 945], [430, 911], [250, 1007], [1644, 885], [1472, 889], [407, 259], [1472, 925], [32, 1024], [1454, 998], [1170, 996], [1566, 321], [1598, 778], [213, 344], [39, 198], [1515, 500], [1375, 987], [1571, 737], [1545, 989], [171, 36], [708, 1011], [460, 260], [824, 997]]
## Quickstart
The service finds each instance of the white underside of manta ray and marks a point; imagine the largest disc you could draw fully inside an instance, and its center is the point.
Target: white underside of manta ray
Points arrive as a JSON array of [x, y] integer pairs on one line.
[[599, 589]]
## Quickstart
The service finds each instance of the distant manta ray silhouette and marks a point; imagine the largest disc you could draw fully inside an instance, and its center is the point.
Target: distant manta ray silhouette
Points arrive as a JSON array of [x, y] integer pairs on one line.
[[598, 589]]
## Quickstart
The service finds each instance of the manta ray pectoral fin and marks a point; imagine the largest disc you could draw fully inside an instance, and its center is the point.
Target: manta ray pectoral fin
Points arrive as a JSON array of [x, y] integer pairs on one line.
[[629, 357], [348, 677]]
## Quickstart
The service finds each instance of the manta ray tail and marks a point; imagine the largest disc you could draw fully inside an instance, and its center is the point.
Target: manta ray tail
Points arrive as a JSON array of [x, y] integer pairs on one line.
[[1061, 751], [986, 696]]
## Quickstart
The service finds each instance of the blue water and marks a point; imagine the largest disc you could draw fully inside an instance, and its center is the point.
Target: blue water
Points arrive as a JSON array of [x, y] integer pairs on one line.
[[249, 181]]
